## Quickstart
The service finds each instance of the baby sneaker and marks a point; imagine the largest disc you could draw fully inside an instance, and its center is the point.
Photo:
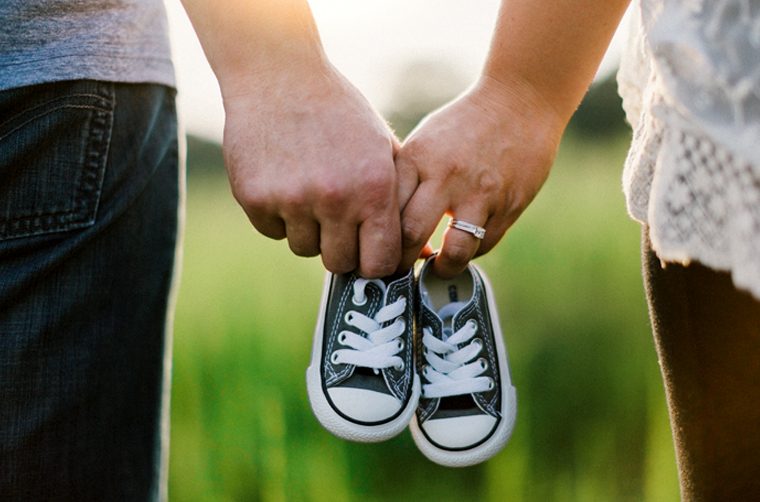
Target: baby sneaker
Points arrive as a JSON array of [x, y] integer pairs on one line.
[[468, 404], [361, 381]]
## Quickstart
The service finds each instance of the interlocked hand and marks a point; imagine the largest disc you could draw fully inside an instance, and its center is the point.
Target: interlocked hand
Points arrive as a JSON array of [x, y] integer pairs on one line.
[[481, 159]]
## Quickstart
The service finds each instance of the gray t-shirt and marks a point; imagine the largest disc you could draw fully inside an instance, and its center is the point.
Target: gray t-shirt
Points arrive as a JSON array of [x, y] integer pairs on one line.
[[112, 40]]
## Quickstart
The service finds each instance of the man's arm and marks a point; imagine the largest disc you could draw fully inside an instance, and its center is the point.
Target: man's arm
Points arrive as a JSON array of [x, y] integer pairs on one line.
[[483, 157], [307, 156]]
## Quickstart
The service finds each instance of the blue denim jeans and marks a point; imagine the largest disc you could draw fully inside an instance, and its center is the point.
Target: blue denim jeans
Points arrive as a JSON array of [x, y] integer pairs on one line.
[[88, 228]]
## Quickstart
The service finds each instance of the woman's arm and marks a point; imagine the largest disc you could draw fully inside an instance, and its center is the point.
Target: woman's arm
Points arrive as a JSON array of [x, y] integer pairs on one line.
[[483, 157]]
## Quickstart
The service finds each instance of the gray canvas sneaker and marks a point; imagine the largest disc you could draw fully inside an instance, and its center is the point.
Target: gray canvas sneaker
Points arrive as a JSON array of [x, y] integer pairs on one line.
[[361, 381], [468, 404]]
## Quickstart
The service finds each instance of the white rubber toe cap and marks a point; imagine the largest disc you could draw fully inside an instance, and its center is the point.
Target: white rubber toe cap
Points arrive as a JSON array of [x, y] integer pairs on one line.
[[364, 405], [459, 432]]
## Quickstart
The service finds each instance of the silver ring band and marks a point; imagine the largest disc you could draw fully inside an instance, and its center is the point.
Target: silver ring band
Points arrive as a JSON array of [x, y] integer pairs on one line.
[[476, 231]]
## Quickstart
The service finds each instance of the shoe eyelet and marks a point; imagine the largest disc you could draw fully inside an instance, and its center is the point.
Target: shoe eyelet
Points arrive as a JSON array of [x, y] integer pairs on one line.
[[349, 317], [491, 384], [359, 302], [403, 324], [400, 344], [342, 338], [400, 367], [483, 363], [477, 341], [334, 358], [473, 324]]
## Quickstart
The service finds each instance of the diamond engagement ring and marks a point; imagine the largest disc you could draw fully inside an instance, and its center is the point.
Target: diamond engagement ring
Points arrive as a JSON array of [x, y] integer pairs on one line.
[[476, 231]]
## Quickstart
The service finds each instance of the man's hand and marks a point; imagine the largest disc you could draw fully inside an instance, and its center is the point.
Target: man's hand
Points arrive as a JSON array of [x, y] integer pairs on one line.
[[480, 159], [307, 156], [309, 160]]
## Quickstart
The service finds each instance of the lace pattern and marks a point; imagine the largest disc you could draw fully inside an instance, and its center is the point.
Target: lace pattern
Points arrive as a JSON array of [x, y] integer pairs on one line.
[[690, 82]]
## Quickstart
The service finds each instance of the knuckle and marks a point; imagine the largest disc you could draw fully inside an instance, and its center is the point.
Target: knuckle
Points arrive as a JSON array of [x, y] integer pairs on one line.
[[291, 199], [341, 198], [267, 229], [303, 249], [338, 266], [332, 192], [456, 169], [378, 184], [251, 197], [273, 234], [451, 170], [489, 182]]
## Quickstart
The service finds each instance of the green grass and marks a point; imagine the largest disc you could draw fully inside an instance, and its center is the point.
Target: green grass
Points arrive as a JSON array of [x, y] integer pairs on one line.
[[591, 422]]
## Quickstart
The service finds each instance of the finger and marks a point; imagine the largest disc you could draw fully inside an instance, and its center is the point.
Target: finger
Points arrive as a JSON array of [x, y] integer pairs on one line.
[[427, 251], [459, 246], [419, 219], [270, 226], [495, 230], [339, 246], [303, 236], [261, 216], [380, 243]]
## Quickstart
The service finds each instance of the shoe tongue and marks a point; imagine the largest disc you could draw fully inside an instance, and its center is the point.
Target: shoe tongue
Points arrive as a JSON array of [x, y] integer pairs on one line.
[[449, 310], [381, 285], [384, 283], [447, 313]]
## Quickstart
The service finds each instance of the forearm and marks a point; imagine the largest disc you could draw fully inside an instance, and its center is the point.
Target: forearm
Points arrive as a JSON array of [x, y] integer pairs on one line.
[[255, 39], [551, 49]]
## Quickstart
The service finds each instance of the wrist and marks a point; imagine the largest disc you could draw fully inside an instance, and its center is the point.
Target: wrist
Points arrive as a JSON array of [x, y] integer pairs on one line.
[[271, 67], [252, 42], [517, 100]]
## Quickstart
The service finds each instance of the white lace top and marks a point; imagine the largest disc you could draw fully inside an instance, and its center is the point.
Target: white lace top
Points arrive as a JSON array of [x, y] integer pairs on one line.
[[690, 82]]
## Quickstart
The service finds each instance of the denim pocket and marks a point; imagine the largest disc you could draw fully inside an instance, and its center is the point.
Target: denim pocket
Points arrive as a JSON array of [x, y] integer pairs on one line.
[[54, 141]]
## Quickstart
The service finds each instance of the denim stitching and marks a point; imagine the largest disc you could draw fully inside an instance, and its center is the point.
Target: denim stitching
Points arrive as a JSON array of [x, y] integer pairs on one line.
[[84, 209], [48, 111]]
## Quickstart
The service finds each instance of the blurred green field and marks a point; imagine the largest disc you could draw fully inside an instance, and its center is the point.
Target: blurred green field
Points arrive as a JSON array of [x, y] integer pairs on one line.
[[591, 424]]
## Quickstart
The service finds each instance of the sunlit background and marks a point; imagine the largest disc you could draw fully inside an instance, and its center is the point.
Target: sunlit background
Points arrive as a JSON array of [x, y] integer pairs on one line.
[[373, 42], [591, 419]]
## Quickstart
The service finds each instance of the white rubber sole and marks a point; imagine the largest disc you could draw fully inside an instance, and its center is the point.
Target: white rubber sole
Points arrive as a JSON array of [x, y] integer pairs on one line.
[[325, 413], [499, 438]]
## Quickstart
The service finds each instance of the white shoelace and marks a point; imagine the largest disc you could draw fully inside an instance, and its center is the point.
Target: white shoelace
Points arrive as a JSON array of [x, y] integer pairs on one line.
[[379, 348], [451, 371]]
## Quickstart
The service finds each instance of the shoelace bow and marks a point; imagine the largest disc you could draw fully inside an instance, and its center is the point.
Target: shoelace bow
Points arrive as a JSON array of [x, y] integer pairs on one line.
[[379, 348], [450, 370]]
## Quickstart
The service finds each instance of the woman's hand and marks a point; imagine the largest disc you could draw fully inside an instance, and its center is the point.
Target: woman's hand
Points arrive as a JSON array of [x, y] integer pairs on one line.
[[481, 159]]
